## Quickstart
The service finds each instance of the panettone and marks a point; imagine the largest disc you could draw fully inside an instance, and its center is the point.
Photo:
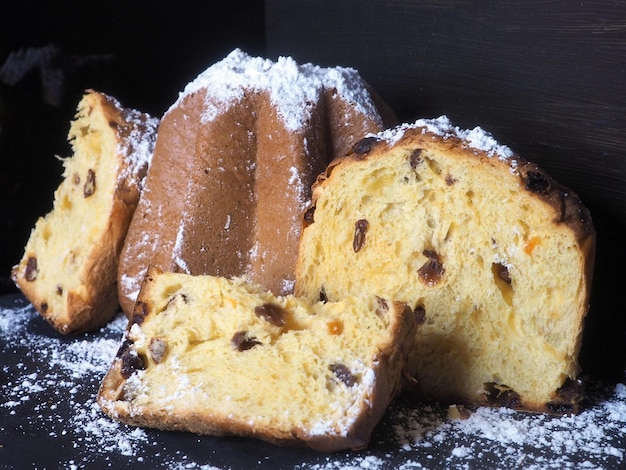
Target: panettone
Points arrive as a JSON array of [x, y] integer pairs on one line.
[[69, 266], [234, 162], [217, 356], [495, 253]]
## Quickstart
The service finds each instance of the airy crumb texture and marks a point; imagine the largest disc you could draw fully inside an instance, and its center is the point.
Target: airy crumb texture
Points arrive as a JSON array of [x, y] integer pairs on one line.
[[217, 356], [69, 266], [496, 255]]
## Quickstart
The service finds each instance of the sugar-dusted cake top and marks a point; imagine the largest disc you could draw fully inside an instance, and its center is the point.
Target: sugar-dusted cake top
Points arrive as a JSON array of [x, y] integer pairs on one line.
[[139, 137], [476, 138], [293, 88]]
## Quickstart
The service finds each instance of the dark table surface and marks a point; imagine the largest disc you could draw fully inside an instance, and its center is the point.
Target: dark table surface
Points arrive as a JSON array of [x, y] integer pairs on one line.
[[49, 419]]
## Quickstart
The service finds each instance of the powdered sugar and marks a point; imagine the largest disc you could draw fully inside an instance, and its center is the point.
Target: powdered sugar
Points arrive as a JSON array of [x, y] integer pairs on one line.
[[47, 404], [476, 138], [138, 144], [294, 89]]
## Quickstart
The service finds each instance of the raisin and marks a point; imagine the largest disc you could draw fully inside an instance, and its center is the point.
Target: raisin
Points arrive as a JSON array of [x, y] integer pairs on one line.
[[502, 272], [139, 312], [383, 306], [158, 349], [179, 295], [558, 408], [569, 396], [242, 342], [271, 313], [90, 184], [501, 395], [131, 361], [432, 271], [30, 273], [420, 314], [323, 297], [450, 180], [537, 182], [571, 390], [343, 374], [415, 159], [309, 215], [59, 290], [44, 307], [360, 228], [363, 146]]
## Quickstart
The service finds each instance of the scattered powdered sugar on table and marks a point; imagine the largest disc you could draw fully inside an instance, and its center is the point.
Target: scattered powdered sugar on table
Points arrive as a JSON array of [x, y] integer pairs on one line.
[[49, 392]]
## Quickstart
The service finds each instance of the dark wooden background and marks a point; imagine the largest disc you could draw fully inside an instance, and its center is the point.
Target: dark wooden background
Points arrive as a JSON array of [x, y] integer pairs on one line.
[[546, 78]]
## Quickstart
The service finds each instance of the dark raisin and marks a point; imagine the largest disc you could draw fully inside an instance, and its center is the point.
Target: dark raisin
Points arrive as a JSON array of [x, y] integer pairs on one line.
[[44, 307], [568, 398], [30, 273], [383, 305], [432, 271], [242, 342], [113, 124], [271, 313], [559, 408], [131, 361], [363, 146], [59, 290], [537, 182], [179, 295], [501, 395], [571, 390], [309, 215], [140, 312], [415, 159], [360, 228], [158, 349], [450, 180], [90, 184], [343, 374], [323, 297], [420, 314], [502, 272]]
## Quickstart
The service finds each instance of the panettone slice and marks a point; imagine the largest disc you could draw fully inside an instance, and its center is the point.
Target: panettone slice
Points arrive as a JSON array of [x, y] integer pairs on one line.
[[494, 251], [217, 356], [69, 267]]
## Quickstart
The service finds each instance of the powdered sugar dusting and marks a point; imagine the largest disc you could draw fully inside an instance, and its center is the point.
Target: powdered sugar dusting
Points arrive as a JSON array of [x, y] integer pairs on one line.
[[47, 401], [294, 89], [476, 138], [138, 144]]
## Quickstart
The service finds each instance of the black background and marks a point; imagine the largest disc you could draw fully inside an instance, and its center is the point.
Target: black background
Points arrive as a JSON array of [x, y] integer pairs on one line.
[[146, 52], [545, 77]]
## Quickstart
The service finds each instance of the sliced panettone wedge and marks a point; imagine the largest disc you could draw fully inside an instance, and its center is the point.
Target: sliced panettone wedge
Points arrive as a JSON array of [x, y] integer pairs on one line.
[[69, 266], [495, 252], [217, 356]]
